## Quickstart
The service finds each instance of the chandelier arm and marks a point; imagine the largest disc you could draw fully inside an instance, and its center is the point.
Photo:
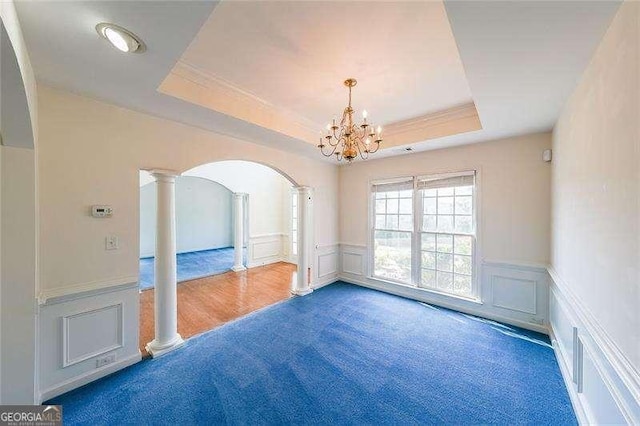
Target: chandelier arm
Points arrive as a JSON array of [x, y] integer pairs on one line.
[[373, 151], [329, 154]]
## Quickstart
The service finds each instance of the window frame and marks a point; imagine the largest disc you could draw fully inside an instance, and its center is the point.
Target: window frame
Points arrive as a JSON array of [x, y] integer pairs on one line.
[[416, 233]]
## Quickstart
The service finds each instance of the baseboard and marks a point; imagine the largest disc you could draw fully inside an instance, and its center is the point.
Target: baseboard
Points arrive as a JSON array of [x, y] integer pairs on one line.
[[87, 377], [319, 284], [603, 385], [424, 296]]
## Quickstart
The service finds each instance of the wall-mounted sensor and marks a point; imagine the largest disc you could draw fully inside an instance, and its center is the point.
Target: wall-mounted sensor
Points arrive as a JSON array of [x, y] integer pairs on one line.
[[101, 211], [546, 155]]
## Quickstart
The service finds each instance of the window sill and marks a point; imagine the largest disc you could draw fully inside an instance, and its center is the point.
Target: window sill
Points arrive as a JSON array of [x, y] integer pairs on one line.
[[475, 300]]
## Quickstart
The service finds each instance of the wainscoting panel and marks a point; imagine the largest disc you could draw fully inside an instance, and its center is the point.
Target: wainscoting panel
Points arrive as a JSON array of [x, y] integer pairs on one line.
[[77, 331], [509, 292], [266, 249], [79, 339], [325, 265], [353, 260], [518, 291], [603, 385]]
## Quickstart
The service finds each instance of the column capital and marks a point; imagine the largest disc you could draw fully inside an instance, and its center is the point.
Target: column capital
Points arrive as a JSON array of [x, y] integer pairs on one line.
[[302, 189], [164, 175]]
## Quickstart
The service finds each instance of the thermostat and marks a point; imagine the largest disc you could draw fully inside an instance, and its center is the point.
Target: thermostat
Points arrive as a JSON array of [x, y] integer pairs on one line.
[[101, 211]]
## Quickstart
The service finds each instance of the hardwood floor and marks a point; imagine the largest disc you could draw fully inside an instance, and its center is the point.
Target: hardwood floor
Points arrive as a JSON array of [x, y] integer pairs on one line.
[[209, 302]]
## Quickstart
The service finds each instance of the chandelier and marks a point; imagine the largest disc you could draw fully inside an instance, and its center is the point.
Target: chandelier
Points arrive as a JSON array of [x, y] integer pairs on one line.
[[348, 140]]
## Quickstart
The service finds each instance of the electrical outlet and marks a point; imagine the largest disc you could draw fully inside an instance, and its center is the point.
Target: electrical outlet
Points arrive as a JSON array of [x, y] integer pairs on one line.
[[112, 242], [105, 360]]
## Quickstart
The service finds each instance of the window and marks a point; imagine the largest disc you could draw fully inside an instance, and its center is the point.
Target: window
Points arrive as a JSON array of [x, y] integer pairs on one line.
[[393, 230], [294, 224], [433, 248]]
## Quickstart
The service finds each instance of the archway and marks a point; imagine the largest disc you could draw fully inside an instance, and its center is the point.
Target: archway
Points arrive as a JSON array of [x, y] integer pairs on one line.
[[266, 190]]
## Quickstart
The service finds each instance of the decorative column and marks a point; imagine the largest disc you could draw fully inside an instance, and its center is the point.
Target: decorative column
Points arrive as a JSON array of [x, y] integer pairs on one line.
[[238, 235], [302, 286], [165, 297]]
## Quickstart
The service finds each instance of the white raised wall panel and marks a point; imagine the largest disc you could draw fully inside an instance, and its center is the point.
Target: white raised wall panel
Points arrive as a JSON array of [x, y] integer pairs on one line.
[[326, 265], [266, 249], [80, 342], [510, 292], [76, 330]]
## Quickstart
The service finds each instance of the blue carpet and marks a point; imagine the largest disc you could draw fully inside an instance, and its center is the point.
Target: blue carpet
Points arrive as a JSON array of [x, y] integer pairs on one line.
[[342, 355], [196, 264]]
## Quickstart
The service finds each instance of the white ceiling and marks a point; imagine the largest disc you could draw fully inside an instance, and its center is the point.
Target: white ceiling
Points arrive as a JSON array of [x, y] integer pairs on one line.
[[296, 56], [521, 59]]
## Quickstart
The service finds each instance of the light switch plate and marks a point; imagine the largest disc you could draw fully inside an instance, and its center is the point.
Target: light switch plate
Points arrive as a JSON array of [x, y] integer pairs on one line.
[[112, 242]]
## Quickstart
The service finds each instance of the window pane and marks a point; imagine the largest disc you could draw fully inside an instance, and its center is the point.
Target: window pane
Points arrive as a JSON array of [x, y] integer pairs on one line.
[[381, 195], [462, 285], [445, 205], [463, 205], [408, 193], [464, 224], [380, 221], [429, 223], [444, 262], [463, 244], [392, 222], [429, 205], [392, 194], [429, 242], [445, 223], [406, 222], [392, 255], [445, 281], [380, 206], [445, 243], [445, 192], [464, 190], [294, 248], [462, 264], [430, 192], [428, 260], [428, 278], [392, 206], [406, 206]]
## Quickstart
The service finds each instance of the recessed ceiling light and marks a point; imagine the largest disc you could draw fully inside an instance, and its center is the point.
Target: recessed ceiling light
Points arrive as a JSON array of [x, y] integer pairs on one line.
[[122, 39]]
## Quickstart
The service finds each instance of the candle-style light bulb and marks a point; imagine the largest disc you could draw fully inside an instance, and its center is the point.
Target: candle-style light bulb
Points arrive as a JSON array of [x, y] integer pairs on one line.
[[379, 130], [367, 142], [364, 114]]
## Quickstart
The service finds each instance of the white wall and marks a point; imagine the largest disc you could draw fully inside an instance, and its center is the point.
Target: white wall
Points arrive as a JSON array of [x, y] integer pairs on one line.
[[18, 216], [18, 275], [514, 199], [595, 259], [203, 216], [513, 224], [263, 184], [91, 152]]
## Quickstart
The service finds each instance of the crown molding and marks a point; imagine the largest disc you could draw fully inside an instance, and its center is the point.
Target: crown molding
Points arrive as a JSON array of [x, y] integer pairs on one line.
[[192, 84], [448, 122]]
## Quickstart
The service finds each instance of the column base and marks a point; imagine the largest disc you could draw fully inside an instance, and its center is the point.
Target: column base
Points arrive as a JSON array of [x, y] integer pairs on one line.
[[156, 350], [302, 292], [239, 268]]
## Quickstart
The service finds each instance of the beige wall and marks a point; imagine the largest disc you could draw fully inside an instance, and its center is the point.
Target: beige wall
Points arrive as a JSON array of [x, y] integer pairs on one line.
[[596, 186], [514, 193], [90, 153]]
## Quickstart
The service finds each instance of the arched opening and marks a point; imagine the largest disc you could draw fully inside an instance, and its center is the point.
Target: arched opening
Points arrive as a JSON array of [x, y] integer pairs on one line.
[[237, 237]]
